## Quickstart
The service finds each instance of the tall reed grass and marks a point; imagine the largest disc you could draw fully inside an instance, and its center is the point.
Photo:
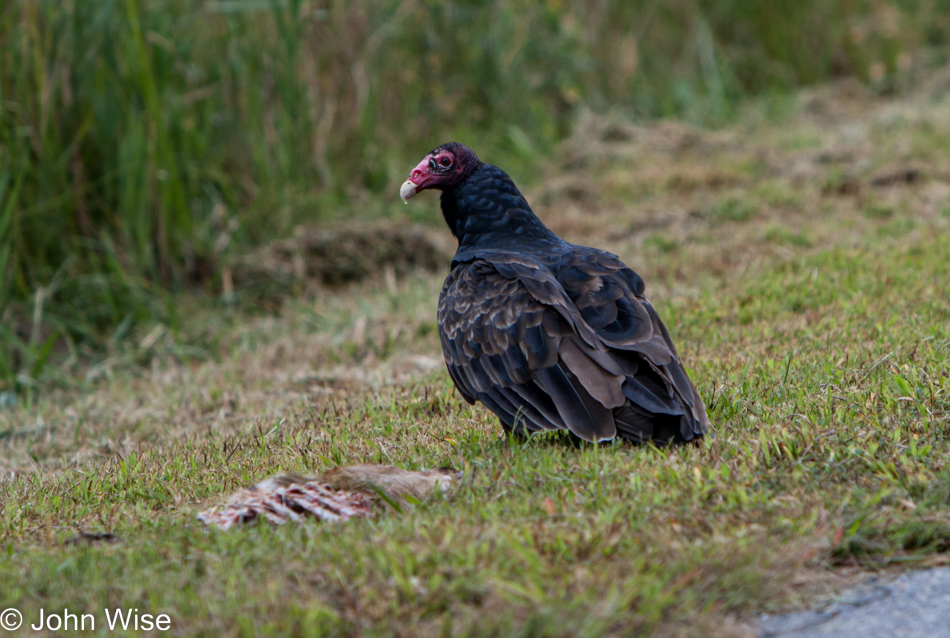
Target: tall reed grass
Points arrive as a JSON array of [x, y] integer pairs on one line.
[[142, 141]]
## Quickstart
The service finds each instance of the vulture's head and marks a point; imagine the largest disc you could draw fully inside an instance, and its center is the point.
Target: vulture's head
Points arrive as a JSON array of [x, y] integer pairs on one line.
[[442, 168]]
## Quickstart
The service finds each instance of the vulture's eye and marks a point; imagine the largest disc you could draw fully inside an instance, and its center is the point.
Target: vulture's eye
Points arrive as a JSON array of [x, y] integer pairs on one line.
[[445, 161]]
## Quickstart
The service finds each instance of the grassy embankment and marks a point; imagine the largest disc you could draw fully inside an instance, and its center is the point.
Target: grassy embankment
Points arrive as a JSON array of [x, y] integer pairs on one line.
[[801, 266]]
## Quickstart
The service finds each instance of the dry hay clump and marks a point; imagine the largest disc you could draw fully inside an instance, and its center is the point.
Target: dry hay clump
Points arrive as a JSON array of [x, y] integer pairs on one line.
[[336, 496], [339, 255]]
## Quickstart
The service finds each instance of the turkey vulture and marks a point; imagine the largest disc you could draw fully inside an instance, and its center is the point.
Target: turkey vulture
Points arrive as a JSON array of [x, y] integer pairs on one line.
[[546, 334]]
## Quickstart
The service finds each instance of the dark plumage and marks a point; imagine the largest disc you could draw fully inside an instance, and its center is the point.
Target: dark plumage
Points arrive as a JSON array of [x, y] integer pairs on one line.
[[546, 334]]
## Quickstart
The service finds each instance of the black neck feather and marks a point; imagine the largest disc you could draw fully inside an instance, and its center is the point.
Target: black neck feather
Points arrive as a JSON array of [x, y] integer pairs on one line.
[[486, 210]]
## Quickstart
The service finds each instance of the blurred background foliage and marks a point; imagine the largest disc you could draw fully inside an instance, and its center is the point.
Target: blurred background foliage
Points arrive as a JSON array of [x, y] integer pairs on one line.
[[143, 142]]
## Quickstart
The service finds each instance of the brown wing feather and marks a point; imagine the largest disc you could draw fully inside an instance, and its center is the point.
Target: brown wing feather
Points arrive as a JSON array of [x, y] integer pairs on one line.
[[599, 382], [582, 350]]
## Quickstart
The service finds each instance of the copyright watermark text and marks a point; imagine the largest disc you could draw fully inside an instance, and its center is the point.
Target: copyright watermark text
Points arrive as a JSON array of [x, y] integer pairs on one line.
[[10, 619], [111, 620]]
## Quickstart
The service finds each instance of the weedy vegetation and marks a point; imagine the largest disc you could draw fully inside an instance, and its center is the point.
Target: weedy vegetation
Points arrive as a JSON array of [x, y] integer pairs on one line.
[[817, 332]]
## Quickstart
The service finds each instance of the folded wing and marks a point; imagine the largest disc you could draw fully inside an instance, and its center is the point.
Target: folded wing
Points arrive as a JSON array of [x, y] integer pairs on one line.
[[573, 347]]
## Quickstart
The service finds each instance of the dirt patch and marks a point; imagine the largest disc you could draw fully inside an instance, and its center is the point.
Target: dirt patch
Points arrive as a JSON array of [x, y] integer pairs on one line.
[[899, 176], [336, 256]]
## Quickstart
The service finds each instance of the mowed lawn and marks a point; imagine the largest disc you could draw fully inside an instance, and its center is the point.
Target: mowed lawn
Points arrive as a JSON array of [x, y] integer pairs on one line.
[[801, 261]]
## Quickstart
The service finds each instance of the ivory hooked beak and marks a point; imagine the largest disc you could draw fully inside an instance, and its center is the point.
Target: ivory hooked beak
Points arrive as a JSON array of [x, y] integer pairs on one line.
[[407, 190]]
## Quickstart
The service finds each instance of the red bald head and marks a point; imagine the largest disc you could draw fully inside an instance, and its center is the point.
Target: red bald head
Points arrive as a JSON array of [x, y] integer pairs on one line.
[[443, 167]]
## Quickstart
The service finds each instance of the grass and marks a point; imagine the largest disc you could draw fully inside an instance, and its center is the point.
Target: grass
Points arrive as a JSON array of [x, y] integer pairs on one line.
[[816, 332]]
